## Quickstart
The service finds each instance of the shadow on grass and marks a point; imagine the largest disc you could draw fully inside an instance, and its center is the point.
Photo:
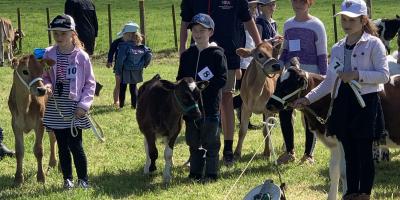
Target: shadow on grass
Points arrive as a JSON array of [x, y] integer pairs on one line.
[[102, 109], [7, 183], [386, 176], [124, 183]]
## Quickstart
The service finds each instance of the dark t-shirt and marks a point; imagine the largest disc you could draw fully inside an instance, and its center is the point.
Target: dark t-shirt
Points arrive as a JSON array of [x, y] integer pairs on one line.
[[228, 16]]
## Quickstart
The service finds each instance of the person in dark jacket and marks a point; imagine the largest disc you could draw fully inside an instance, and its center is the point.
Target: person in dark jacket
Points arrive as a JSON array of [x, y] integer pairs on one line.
[[204, 61], [228, 16], [4, 151], [113, 53], [84, 14]]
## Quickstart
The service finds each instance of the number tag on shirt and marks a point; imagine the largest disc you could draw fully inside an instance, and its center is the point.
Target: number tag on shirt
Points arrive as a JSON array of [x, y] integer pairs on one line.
[[205, 74], [71, 71], [294, 45], [336, 66]]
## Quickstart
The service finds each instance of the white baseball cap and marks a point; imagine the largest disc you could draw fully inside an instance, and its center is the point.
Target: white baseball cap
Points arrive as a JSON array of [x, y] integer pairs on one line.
[[353, 8], [265, 2], [130, 27]]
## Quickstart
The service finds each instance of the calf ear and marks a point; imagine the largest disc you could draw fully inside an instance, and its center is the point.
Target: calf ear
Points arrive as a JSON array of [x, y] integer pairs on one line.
[[276, 50], [202, 84], [47, 62], [244, 53], [14, 63], [295, 61], [167, 85]]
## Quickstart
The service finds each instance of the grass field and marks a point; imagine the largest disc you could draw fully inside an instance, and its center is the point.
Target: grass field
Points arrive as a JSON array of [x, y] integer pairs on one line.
[[116, 166]]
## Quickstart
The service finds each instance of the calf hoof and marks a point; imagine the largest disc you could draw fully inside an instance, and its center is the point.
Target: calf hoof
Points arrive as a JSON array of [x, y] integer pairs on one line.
[[18, 180], [149, 170], [167, 178], [40, 178], [52, 163], [237, 154], [267, 154]]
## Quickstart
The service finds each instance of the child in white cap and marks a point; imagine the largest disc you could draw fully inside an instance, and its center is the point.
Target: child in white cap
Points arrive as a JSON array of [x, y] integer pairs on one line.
[[132, 57], [113, 54], [363, 58]]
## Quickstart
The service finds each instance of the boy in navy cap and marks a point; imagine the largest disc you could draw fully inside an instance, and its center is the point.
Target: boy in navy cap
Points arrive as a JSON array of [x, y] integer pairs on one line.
[[204, 61], [227, 15]]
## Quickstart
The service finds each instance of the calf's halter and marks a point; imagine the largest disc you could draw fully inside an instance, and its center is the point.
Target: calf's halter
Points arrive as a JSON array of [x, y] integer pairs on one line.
[[28, 86], [284, 99], [273, 60], [184, 108]]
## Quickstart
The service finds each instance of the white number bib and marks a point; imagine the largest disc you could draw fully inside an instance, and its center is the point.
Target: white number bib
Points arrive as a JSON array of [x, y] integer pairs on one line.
[[205, 74], [71, 71], [294, 45]]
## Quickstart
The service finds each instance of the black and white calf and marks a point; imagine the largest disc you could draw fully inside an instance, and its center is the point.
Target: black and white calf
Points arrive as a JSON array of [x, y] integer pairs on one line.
[[160, 108], [387, 30]]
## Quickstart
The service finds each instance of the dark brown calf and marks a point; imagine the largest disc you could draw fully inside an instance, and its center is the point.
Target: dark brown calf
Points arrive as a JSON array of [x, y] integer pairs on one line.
[[27, 103], [160, 107]]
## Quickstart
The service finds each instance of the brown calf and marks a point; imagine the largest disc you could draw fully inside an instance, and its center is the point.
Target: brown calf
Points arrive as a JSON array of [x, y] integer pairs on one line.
[[160, 107], [258, 85], [27, 103], [6, 40]]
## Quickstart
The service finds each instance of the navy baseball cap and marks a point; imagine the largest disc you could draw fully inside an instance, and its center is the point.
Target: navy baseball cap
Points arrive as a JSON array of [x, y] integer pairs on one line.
[[202, 19], [62, 23]]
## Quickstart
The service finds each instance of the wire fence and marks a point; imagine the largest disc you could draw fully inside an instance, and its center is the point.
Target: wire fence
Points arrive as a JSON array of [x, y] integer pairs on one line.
[[158, 23]]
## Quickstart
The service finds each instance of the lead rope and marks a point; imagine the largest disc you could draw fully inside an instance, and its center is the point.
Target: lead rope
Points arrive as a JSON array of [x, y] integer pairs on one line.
[[96, 128], [274, 121], [328, 114]]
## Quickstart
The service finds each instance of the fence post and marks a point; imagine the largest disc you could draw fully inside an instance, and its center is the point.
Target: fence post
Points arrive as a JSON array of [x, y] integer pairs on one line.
[[334, 21], [369, 5], [19, 30], [48, 25], [109, 25], [174, 26], [142, 22]]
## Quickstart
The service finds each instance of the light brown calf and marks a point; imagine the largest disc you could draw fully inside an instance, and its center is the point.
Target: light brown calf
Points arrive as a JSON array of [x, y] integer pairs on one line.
[[27, 103], [6, 39], [258, 84]]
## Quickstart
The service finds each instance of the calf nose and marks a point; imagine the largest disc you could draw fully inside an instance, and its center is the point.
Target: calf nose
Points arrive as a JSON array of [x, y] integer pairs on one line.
[[41, 91], [269, 106], [276, 67]]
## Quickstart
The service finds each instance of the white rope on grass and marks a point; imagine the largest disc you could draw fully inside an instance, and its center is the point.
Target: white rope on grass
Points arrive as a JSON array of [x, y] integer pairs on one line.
[[271, 125]]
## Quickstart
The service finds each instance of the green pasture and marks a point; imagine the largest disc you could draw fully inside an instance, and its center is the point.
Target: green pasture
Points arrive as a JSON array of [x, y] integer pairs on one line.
[[116, 166]]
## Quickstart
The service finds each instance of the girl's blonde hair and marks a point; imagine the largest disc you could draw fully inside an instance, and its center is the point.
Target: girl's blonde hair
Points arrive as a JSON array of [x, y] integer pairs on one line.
[[75, 40], [133, 36], [370, 26], [309, 2]]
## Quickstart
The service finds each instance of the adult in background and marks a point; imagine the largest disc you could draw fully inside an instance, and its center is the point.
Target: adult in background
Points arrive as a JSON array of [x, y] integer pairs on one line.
[[84, 14], [245, 62], [4, 151], [227, 15], [304, 37]]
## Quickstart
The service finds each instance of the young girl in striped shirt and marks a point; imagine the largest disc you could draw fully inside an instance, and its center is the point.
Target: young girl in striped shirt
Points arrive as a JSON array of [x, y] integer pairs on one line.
[[70, 84]]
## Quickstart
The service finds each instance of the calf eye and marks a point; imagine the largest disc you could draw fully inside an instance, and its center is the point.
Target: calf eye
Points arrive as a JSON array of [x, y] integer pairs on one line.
[[25, 72], [260, 55]]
